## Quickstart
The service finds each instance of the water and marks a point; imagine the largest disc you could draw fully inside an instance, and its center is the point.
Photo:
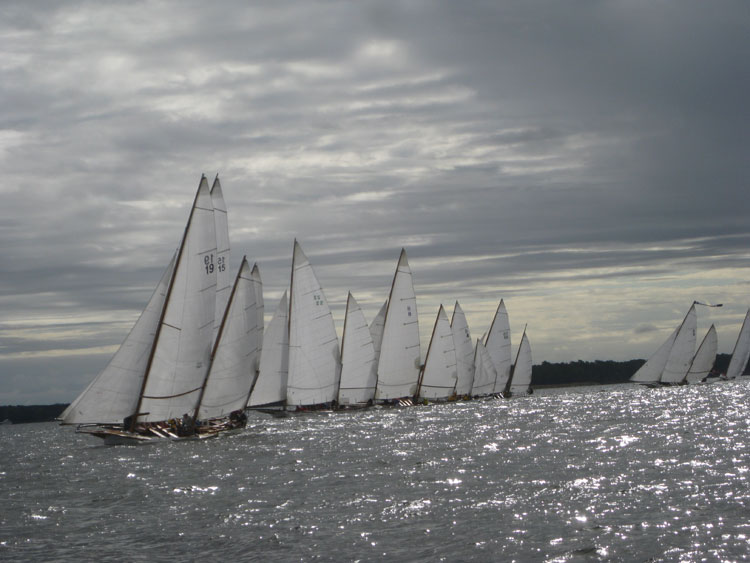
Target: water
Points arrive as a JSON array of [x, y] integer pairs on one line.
[[615, 473]]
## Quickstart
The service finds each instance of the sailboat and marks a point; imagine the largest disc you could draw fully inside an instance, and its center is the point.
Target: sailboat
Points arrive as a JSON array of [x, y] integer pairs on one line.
[[269, 392], [484, 372], [400, 356], [741, 351], [671, 361], [223, 274], [376, 330], [314, 361], [358, 368], [498, 346], [464, 352], [440, 375], [520, 380], [704, 358], [159, 371]]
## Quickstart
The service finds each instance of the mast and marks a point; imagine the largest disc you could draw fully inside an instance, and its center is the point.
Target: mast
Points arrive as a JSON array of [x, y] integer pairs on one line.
[[343, 343], [178, 260], [289, 316]]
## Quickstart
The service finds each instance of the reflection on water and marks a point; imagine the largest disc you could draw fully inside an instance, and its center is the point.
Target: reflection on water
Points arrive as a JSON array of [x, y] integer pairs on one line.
[[615, 473]]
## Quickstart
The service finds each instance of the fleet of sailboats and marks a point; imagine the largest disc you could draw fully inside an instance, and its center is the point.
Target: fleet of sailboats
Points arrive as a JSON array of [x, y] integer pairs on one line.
[[198, 356]]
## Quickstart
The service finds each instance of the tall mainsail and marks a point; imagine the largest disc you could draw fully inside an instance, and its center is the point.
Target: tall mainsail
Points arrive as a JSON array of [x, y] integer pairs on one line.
[[439, 376], [400, 356], [498, 346], [182, 347], [270, 387], [683, 350], [464, 351], [520, 383], [376, 330], [484, 373], [741, 351], [313, 343], [223, 274], [113, 394], [232, 370], [704, 358], [358, 368]]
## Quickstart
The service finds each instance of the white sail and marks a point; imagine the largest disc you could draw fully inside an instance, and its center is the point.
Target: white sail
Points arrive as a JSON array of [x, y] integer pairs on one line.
[[741, 351], [182, 346], [259, 309], [650, 372], [232, 370], [270, 388], [376, 330], [113, 394], [464, 351], [521, 381], [223, 274], [683, 350], [313, 343], [440, 373], [400, 356], [358, 368], [499, 348], [704, 358], [484, 373]]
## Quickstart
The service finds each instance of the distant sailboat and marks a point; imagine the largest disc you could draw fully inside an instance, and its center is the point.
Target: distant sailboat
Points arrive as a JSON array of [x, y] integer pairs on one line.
[[673, 356], [269, 391], [400, 356], [499, 348], [741, 351], [314, 361], [439, 377], [358, 367], [520, 381], [160, 369], [464, 351], [704, 358], [484, 372]]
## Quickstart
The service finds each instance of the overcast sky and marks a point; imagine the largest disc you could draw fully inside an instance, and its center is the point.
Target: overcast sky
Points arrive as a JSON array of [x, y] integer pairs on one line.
[[586, 161]]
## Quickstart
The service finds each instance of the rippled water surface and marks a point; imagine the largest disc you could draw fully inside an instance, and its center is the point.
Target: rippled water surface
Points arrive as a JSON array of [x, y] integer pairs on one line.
[[613, 473]]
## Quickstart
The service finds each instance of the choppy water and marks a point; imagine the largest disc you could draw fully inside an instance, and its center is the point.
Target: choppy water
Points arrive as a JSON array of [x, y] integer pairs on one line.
[[616, 473]]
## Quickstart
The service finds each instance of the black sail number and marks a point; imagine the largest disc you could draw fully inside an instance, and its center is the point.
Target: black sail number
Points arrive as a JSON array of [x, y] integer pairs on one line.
[[208, 262]]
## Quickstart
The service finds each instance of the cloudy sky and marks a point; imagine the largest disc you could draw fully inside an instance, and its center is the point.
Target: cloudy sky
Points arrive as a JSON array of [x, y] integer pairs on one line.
[[586, 161]]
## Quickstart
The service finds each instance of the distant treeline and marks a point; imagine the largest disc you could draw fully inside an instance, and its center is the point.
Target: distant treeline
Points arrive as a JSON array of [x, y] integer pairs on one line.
[[571, 373], [31, 413], [597, 372]]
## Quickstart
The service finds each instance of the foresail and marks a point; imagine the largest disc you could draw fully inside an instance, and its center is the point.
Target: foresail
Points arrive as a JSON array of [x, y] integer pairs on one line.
[[440, 373], [464, 351], [233, 366], [741, 351], [484, 374], [376, 330], [223, 274], [259, 308], [313, 343], [704, 358], [650, 372], [113, 394], [499, 347], [270, 387], [521, 381], [183, 344], [400, 356], [683, 350], [358, 373]]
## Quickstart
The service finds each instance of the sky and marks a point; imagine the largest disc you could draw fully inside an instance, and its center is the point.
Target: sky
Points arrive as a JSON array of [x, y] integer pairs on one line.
[[587, 162]]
